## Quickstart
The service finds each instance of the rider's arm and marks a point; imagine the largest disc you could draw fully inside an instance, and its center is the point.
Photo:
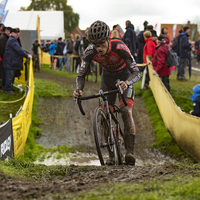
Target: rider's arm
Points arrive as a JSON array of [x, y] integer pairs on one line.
[[135, 73], [87, 58]]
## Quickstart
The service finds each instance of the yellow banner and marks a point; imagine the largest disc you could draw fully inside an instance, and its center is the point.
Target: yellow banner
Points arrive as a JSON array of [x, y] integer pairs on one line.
[[184, 128], [18, 134], [28, 103], [22, 122]]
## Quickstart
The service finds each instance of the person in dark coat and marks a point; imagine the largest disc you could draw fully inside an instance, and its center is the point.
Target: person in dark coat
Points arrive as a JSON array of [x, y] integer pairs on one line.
[[185, 46], [129, 38], [59, 52], [3, 40], [159, 64], [13, 60]]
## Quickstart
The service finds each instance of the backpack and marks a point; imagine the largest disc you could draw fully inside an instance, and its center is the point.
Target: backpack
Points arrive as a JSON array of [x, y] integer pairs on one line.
[[171, 58]]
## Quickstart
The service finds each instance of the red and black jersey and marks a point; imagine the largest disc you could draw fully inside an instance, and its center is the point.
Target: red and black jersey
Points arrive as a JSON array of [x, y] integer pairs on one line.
[[118, 58]]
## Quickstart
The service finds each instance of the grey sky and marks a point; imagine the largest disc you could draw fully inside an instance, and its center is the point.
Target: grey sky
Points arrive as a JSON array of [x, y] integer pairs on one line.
[[137, 11]]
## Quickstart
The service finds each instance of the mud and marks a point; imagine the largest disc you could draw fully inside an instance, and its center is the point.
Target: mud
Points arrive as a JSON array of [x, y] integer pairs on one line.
[[63, 124]]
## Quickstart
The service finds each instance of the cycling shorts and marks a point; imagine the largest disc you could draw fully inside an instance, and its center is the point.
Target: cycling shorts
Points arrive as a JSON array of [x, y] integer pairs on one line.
[[108, 81]]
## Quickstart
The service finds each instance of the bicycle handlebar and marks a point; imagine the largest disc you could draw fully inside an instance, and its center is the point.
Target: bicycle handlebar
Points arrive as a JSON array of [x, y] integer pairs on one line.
[[101, 93]]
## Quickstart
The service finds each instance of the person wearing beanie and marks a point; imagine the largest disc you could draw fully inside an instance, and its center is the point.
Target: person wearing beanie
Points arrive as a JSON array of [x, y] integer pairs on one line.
[[184, 52], [159, 65], [196, 101]]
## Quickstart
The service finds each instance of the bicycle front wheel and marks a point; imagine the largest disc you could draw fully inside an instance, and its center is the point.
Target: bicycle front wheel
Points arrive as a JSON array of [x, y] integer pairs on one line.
[[105, 143]]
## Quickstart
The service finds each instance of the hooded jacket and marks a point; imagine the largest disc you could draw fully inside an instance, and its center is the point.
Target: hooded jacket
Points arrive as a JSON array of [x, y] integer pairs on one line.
[[149, 48], [129, 38], [159, 64]]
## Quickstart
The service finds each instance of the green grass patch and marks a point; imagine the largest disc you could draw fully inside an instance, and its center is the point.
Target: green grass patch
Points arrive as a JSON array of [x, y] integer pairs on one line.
[[172, 188]]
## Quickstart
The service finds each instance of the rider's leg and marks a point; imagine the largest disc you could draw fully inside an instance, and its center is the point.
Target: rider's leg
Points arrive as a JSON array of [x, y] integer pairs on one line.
[[129, 133]]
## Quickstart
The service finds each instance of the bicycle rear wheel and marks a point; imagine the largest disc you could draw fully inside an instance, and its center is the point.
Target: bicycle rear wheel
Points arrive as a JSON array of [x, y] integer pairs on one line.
[[105, 143]]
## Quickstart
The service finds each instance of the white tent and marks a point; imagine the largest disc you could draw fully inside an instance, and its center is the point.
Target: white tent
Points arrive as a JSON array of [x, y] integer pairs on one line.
[[51, 22]]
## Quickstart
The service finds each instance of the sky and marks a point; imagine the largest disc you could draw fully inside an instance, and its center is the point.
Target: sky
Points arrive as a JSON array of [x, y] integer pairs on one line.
[[137, 11]]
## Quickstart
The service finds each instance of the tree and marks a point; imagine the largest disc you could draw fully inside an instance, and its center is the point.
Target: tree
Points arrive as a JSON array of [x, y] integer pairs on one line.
[[71, 19]]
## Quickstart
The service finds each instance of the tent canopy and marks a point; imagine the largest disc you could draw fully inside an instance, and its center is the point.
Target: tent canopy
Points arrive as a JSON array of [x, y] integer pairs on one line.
[[51, 22]]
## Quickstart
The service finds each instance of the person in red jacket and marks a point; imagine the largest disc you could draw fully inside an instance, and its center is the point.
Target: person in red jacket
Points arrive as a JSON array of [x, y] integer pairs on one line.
[[150, 46], [148, 50], [159, 64]]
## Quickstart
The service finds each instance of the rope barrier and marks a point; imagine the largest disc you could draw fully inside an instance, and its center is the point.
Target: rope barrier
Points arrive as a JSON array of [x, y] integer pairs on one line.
[[15, 100]]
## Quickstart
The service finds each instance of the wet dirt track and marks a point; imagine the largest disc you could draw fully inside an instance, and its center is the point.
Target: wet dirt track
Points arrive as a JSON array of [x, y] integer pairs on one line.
[[64, 125]]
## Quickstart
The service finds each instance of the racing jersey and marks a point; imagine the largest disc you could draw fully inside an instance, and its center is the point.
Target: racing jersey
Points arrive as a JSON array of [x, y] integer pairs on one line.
[[118, 58]]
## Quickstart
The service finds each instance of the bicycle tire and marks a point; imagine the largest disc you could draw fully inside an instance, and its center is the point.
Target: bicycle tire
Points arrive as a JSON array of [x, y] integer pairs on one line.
[[104, 146], [119, 142]]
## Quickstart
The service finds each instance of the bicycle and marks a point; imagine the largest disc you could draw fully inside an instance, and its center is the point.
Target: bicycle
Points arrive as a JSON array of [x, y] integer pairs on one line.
[[109, 141], [92, 70]]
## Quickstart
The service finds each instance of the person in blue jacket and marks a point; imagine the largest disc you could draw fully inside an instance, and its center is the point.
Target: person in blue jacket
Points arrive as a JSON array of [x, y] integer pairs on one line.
[[196, 101], [13, 59], [52, 49]]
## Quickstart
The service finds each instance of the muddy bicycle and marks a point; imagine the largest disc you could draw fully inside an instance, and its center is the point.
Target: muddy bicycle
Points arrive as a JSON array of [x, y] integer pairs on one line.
[[107, 130]]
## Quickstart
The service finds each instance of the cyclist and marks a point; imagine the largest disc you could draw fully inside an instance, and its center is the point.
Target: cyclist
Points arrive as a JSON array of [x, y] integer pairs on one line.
[[35, 53], [117, 63]]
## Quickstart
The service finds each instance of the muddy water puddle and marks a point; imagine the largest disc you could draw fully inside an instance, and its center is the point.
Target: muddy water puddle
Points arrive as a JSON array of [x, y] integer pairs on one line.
[[63, 124]]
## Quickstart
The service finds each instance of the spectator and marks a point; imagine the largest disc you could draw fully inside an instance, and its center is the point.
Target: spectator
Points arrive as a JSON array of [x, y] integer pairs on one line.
[[150, 46], [117, 28], [149, 50], [184, 52], [13, 60], [59, 52], [77, 51], [3, 40], [35, 55], [140, 45], [70, 48], [196, 101], [178, 50], [197, 48], [129, 38], [114, 35], [1, 28], [159, 64], [52, 49], [164, 31]]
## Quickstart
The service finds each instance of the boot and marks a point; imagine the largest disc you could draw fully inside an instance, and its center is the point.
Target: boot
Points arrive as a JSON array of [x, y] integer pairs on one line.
[[129, 144]]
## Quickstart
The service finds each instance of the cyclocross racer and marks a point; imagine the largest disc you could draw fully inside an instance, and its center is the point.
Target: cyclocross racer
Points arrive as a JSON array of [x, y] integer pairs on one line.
[[117, 63]]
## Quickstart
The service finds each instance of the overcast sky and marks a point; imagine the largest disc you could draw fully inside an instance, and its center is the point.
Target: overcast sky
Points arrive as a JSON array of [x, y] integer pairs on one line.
[[137, 11]]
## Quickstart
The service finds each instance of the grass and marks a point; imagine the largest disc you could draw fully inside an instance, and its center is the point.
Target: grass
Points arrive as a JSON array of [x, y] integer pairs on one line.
[[10, 108]]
